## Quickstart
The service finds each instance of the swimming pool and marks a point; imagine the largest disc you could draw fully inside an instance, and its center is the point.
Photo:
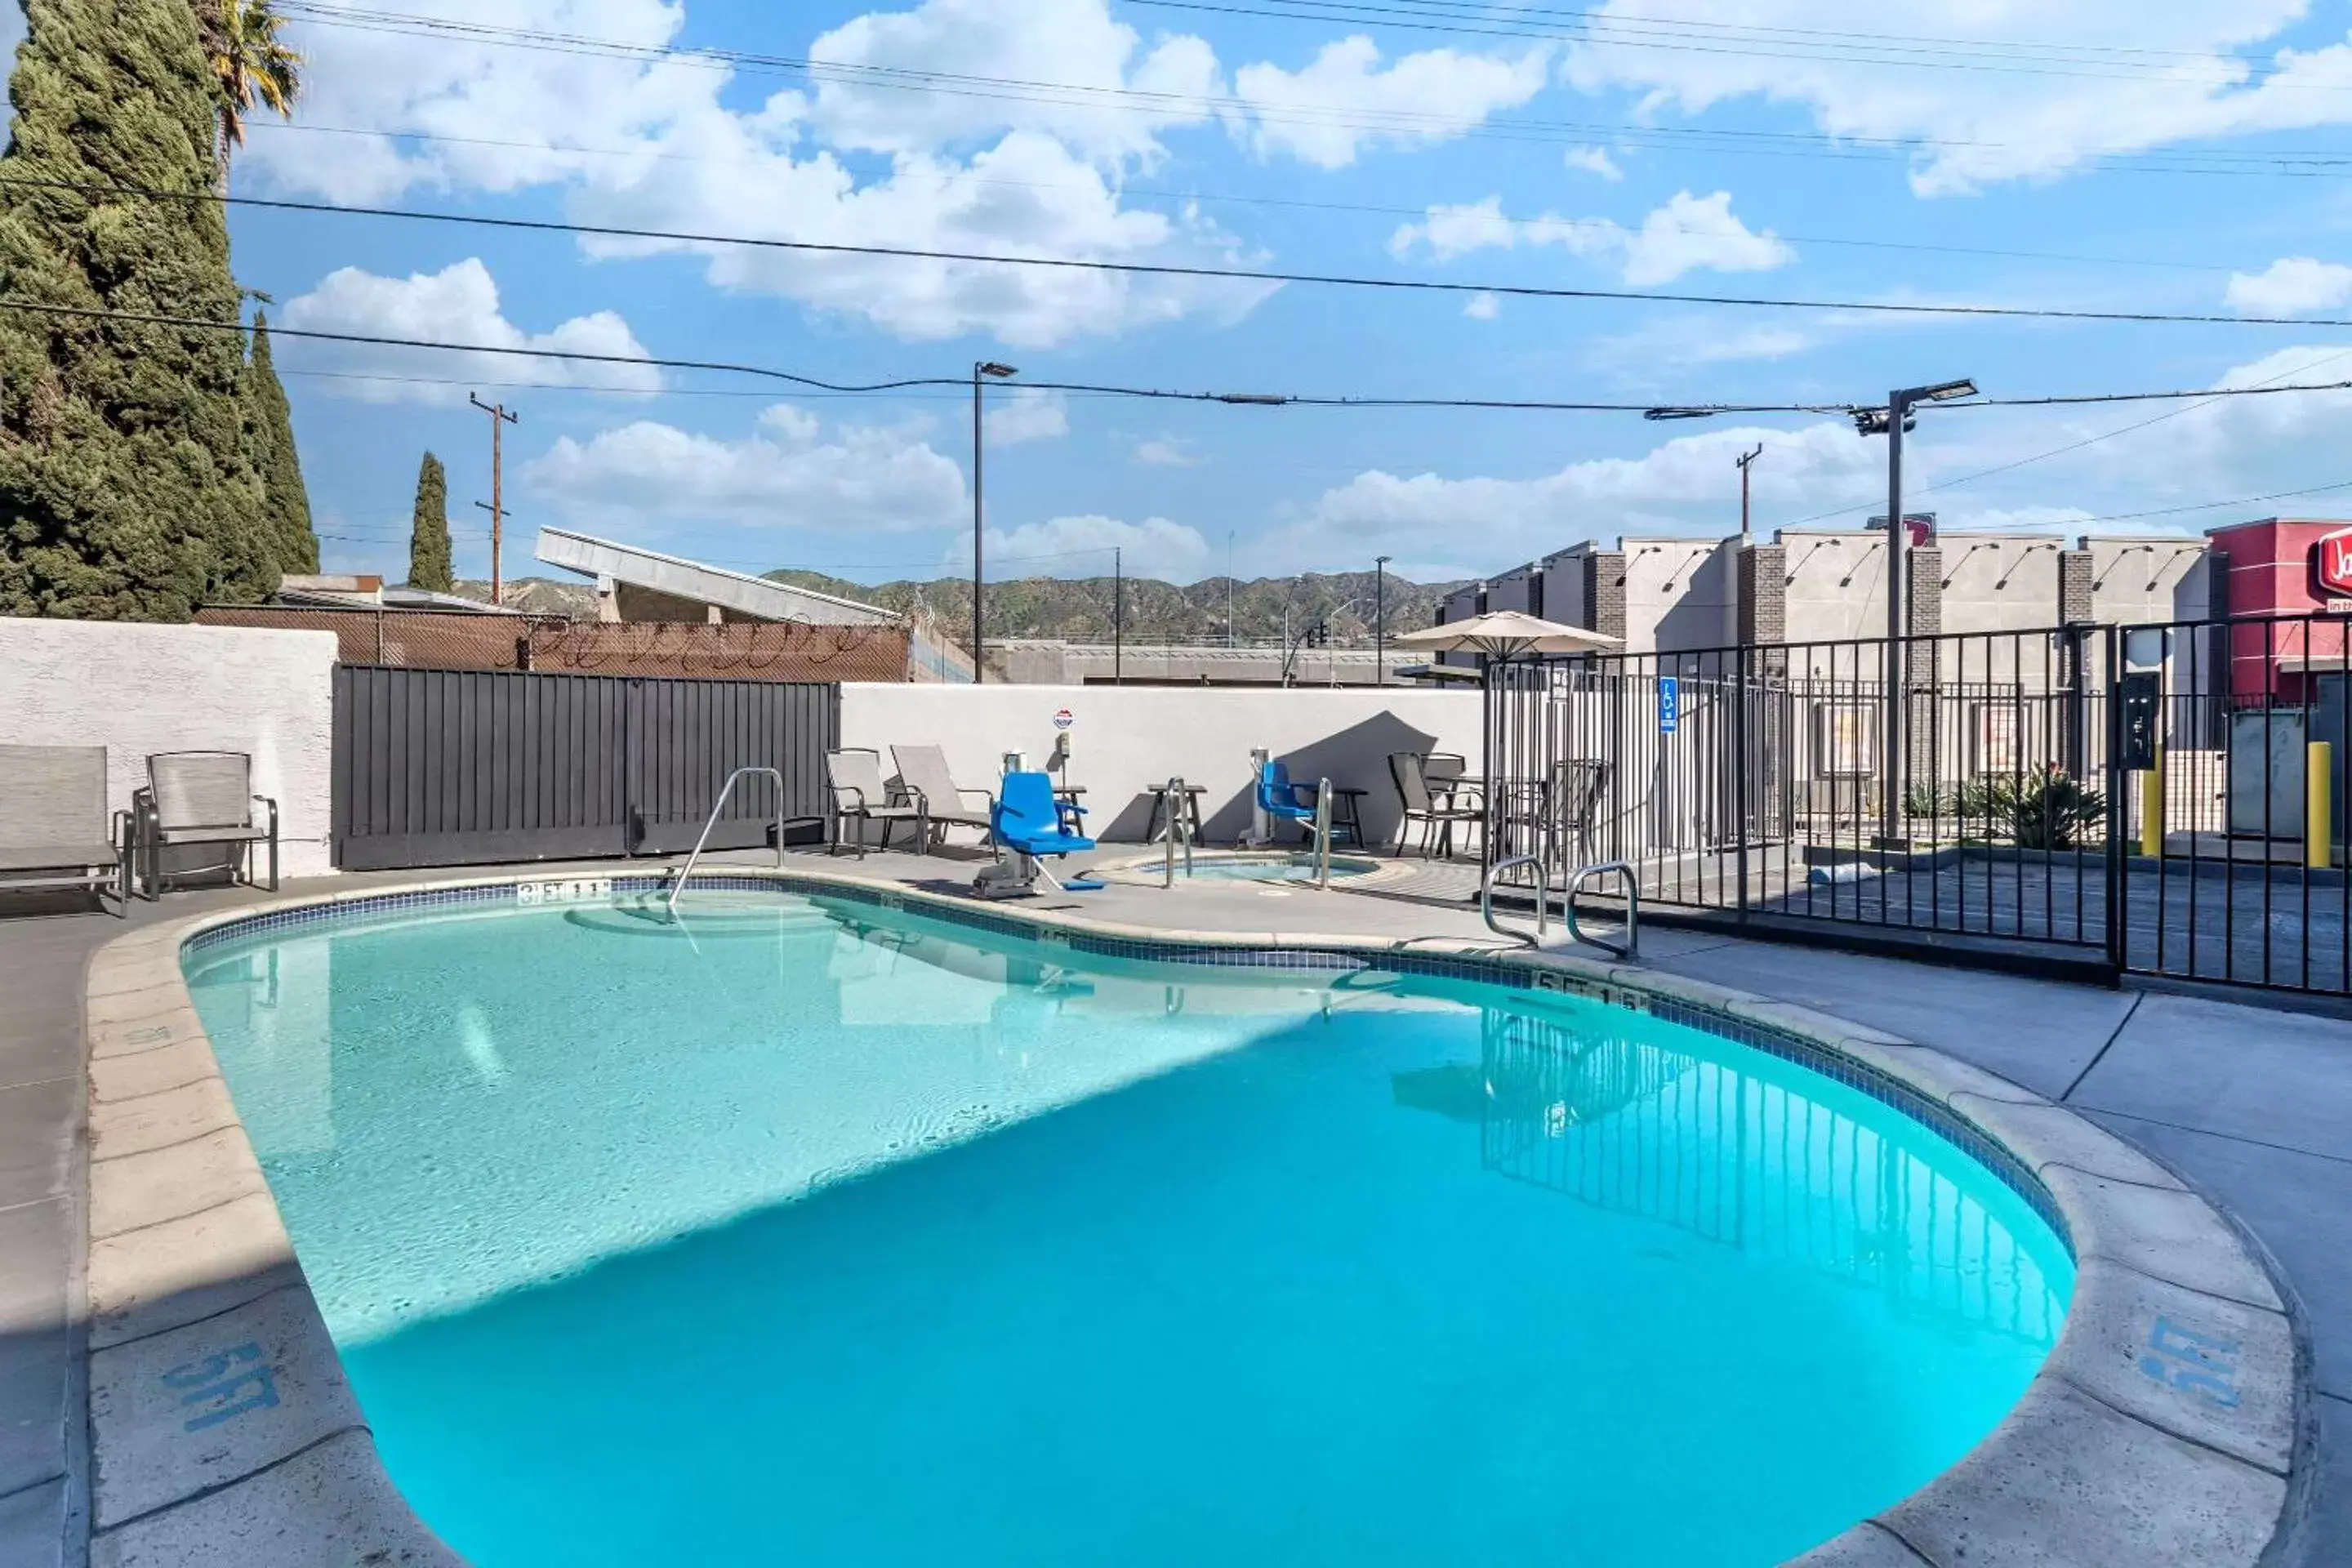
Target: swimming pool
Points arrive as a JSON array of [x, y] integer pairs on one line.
[[808, 1230]]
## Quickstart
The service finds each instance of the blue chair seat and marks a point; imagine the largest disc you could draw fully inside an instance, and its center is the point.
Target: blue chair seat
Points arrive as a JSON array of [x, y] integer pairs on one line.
[[1280, 797], [1027, 818]]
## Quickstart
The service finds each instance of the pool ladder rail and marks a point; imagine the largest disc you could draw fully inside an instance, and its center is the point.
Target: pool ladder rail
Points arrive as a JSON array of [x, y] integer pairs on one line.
[[703, 838], [1629, 950]]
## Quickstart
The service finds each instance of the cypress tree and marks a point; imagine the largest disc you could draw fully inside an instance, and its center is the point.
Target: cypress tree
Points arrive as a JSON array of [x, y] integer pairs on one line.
[[428, 534], [270, 427], [125, 487]]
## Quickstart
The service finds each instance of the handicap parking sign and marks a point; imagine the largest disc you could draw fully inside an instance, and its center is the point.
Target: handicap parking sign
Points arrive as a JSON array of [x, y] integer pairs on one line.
[[1670, 703]]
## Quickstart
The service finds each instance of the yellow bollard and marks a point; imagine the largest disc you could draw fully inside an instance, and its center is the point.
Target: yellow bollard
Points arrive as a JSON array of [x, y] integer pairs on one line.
[[2318, 819], [2151, 809]]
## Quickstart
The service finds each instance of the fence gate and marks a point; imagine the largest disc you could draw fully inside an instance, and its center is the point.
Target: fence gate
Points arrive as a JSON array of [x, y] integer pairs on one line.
[[467, 767]]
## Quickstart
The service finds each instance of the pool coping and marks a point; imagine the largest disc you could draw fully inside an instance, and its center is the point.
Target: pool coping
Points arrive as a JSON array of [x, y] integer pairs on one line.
[[2173, 1423]]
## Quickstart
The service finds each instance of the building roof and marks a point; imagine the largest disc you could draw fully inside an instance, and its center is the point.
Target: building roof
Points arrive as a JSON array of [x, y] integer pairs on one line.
[[756, 596]]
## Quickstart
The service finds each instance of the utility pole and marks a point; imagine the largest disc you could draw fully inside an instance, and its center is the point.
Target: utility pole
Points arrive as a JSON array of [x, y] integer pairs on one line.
[[1745, 534], [1229, 588], [1380, 617], [979, 368], [1118, 620], [500, 419], [1891, 422]]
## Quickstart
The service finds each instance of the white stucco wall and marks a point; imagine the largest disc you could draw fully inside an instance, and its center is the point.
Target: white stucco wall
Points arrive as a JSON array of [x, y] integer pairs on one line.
[[1128, 740], [136, 688]]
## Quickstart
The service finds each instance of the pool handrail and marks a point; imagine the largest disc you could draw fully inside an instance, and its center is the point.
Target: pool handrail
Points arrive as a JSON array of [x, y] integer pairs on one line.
[[1171, 802], [704, 837], [1630, 949], [1543, 893]]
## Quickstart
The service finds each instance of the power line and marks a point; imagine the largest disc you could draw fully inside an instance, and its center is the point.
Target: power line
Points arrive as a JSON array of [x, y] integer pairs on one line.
[[1301, 400], [1134, 192], [1174, 270]]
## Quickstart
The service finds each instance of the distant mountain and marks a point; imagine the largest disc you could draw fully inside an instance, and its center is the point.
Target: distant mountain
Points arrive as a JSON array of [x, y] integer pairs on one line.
[[1078, 609]]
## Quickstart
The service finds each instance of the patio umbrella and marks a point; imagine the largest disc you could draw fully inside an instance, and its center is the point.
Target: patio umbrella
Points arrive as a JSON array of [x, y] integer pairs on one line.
[[1507, 634]]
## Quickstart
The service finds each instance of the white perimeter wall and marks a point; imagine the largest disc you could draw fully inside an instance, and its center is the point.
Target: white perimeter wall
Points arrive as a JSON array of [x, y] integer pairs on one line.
[[1130, 739], [136, 688]]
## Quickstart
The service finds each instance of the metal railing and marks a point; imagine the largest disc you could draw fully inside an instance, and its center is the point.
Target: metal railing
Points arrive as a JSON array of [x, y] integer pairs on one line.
[[704, 837], [1175, 799], [1632, 946]]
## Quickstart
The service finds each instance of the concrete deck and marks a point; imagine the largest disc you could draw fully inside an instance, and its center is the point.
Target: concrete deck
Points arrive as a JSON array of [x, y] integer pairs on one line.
[[2247, 1104]]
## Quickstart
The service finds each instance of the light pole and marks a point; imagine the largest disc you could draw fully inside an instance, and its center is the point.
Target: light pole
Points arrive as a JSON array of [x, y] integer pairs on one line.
[[1891, 422], [1380, 617], [1118, 620], [979, 368]]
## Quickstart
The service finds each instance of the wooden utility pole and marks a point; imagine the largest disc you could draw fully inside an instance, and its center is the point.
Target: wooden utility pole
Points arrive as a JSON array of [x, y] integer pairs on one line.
[[500, 419], [1743, 461]]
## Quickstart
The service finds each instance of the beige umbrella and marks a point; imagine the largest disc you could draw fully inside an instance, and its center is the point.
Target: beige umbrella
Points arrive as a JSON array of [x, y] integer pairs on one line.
[[1507, 634]]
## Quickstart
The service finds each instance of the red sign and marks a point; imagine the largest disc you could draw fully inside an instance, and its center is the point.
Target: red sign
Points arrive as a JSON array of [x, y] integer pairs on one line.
[[2331, 563]]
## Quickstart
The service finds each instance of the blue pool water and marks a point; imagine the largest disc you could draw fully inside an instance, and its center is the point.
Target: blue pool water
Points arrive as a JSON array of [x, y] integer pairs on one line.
[[809, 1234], [1261, 868]]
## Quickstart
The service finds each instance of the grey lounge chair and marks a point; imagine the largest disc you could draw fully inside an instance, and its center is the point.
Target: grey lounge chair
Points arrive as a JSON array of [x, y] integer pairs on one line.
[[54, 829], [201, 797], [923, 771], [855, 777]]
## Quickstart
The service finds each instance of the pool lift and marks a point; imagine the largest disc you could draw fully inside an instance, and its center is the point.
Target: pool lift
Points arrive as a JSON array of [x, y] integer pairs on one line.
[[1026, 824], [1556, 837]]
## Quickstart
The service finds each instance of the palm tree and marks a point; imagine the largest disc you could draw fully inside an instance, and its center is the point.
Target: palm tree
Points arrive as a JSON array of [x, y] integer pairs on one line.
[[249, 64]]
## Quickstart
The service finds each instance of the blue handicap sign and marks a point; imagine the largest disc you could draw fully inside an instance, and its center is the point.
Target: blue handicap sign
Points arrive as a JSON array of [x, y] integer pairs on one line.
[[1670, 703]]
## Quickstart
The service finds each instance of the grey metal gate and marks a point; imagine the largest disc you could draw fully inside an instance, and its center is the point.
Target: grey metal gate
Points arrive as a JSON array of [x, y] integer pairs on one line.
[[467, 767]]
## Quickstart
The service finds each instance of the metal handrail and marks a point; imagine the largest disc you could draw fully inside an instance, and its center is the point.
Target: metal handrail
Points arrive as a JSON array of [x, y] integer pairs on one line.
[[1486, 896], [1323, 834], [704, 837], [1632, 945], [1172, 799]]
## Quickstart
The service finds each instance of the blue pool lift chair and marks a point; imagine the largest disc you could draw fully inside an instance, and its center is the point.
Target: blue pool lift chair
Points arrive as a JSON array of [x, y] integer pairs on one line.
[[1028, 823], [1284, 801]]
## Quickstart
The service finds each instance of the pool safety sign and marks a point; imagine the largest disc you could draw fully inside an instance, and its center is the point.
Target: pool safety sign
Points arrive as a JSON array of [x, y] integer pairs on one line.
[[1064, 719], [1670, 704]]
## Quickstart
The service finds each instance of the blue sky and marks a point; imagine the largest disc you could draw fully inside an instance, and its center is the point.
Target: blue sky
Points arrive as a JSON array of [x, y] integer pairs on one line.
[[2167, 152]]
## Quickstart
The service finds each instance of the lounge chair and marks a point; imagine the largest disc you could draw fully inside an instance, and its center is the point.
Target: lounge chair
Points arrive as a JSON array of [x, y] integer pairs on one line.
[[855, 777], [54, 829], [1027, 824], [1414, 793], [200, 797], [923, 773]]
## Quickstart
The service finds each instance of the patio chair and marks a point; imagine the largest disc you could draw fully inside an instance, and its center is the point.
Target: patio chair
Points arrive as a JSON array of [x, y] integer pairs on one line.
[[1027, 824], [1414, 795], [54, 830], [200, 797], [923, 773], [855, 777]]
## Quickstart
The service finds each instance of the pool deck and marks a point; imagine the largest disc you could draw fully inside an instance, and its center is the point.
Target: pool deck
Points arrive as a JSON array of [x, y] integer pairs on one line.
[[2248, 1104]]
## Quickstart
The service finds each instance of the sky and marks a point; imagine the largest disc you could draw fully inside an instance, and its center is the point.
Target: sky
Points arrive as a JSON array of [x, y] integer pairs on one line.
[[2174, 156]]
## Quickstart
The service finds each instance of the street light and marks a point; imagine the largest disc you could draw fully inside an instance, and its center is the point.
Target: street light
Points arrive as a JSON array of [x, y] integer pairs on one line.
[[1380, 616], [979, 369], [1891, 422]]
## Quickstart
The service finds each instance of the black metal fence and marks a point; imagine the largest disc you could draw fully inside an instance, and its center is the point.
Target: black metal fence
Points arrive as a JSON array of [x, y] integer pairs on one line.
[[2135, 796], [465, 767]]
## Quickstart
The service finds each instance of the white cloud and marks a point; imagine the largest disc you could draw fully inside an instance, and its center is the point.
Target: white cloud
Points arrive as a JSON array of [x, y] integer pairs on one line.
[[1092, 60], [2291, 286], [1483, 306], [969, 172], [1593, 161], [2073, 80], [1166, 452], [1691, 233], [788, 473], [2220, 450], [1082, 546], [458, 304], [1344, 100], [1029, 415], [1688, 234]]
